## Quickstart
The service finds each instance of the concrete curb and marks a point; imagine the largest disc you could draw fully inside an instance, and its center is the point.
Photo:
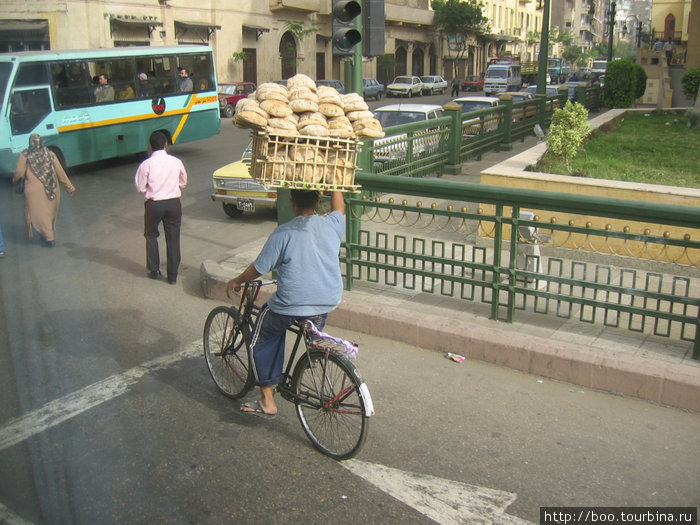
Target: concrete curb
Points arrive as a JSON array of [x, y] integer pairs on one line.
[[669, 384]]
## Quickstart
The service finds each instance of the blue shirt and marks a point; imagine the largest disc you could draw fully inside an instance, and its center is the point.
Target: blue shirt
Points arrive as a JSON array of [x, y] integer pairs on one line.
[[305, 251]]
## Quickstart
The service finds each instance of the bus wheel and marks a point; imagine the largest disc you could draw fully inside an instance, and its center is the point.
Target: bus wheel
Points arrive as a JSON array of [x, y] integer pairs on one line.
[[59, 156]]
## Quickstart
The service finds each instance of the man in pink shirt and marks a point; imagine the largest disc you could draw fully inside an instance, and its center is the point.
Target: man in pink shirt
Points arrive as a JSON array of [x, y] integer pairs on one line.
[[160, 178]]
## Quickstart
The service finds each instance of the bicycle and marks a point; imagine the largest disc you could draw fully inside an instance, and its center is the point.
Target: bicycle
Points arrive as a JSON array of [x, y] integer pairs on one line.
[[332, 400]]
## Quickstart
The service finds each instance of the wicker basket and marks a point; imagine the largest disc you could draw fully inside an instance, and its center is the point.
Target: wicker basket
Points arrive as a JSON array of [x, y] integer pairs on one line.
[[302, 162]]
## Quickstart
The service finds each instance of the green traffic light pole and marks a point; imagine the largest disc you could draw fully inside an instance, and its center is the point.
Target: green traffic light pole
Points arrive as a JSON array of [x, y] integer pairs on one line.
[[544, 52], [357, 62]]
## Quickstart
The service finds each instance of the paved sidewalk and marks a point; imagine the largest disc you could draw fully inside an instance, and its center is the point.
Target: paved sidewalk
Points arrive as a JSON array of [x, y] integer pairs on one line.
[[594, 356]]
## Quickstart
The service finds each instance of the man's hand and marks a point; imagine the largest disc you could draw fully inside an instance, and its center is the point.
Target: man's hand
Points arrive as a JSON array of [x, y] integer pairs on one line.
[[235, 284]]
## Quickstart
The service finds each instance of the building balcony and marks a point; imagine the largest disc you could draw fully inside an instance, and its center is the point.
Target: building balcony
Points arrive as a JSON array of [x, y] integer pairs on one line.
[[306, 6]]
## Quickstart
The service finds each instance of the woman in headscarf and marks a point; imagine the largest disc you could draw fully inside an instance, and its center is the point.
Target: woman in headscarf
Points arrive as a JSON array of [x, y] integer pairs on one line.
[[42, 196]]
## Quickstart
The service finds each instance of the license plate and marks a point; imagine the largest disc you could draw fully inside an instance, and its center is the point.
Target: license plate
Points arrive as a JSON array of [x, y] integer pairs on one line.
[[245, 205]]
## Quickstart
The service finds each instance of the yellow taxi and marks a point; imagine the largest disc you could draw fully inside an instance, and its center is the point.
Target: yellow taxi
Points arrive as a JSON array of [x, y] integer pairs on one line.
[[237, 191]]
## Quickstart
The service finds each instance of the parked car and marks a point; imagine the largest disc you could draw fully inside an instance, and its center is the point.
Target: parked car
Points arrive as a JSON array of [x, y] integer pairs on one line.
[[238, 191], [406, 86], [372, 88], [476, 103], [433, 84], [521, 113], [473, 83], [337, 84], [472, 127], [230, 94], [552, 90], [393, 147], [397, 114], [519, 96]]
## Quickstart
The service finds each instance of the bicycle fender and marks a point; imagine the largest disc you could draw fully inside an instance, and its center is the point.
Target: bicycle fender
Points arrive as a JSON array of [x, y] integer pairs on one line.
[[364, 389]]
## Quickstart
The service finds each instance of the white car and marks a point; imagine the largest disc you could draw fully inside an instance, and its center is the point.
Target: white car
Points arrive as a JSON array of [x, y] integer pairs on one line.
[[394, 147], [476, 103], [433, 84], [405, 86]]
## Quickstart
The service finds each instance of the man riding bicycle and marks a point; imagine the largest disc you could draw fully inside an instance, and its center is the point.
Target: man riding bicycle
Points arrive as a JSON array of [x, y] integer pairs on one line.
[[304, 251]]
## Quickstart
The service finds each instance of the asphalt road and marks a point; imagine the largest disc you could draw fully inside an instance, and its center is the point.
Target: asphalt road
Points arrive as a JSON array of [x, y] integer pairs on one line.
[[108, 414]]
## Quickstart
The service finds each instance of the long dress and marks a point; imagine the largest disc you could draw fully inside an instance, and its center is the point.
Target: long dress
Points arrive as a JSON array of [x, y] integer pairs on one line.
[[40, 212]]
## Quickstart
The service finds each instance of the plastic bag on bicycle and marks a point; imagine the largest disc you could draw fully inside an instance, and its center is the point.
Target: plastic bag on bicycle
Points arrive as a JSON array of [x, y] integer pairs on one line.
[[324, 341]]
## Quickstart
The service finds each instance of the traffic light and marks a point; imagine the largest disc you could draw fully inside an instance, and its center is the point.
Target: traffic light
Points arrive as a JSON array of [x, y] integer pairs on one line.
[[345, 33], [373, 30]]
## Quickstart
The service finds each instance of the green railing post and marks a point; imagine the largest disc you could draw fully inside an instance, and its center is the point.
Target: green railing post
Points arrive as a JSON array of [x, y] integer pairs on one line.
[[506, 100], [497, 253], [365, 160], [454, 141], [581, 94], [563, 95], [598, 99]]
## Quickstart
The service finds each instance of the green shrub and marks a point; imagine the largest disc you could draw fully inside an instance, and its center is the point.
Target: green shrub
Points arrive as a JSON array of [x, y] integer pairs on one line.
[[691, 81], [568, 130], [620, 84], [641, 85]]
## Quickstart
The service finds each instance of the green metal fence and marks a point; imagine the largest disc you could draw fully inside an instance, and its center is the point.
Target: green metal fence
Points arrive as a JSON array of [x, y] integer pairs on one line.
[[438, 146], [460, 244]]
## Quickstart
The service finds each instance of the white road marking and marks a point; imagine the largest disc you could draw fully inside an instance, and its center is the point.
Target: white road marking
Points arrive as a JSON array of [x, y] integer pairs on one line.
[[10, 518], [442, 500], [67, 407]]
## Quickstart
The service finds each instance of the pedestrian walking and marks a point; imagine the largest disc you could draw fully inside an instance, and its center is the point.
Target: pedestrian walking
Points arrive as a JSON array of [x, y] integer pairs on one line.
[[2, 245], [668, 49], [160, 178], [455, 87], [42, 172]]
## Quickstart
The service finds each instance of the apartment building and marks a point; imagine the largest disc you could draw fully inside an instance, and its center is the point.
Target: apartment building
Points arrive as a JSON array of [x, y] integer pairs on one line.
[[261, 40]]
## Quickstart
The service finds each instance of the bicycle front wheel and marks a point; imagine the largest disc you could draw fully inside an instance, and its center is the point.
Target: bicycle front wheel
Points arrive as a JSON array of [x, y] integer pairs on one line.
[[329, 404], [226, 353]]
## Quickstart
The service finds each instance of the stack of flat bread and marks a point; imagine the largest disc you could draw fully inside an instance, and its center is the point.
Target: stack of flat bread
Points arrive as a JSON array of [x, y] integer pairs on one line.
[[304, 109]]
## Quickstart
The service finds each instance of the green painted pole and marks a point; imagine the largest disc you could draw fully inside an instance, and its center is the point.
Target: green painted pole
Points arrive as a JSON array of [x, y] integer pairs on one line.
[[544, 52]]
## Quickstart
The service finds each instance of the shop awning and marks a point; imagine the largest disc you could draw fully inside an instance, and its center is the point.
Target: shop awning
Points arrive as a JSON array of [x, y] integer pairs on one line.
[[183, 27], [256, 29], [132, 21]]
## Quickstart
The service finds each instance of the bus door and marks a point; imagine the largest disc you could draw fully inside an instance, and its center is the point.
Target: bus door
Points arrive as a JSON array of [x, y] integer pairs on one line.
[[30, 112]]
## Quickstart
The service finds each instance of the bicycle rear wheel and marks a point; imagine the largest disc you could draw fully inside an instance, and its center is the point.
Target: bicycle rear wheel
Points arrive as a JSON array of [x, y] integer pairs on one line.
[[226, 353], [329, 404]]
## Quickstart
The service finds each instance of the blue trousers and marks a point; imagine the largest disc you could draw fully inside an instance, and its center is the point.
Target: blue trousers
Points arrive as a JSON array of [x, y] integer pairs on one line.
[[267, 344]]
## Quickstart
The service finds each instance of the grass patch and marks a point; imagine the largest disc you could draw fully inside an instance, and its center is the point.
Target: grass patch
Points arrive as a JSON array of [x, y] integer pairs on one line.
[[655, 147]]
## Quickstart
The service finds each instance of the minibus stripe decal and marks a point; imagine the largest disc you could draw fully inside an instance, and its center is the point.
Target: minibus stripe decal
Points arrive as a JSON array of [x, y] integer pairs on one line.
[[121, 120]]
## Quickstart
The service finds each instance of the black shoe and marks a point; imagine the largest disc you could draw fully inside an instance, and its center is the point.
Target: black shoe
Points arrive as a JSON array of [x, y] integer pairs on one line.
[[154, 275], [172, 280]]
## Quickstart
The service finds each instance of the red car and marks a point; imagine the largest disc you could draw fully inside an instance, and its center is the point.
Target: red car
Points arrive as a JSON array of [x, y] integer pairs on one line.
[[230, 94], [473, 84]]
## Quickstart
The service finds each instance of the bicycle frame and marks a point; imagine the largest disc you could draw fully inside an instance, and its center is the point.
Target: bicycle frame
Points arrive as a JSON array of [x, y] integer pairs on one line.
[[249, 311]]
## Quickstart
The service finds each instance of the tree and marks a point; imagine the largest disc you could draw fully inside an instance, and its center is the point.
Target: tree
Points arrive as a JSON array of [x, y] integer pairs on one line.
[[457, 21], [623, 83]]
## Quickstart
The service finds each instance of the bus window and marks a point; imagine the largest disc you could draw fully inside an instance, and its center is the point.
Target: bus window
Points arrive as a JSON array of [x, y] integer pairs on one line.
[[165, 74], [28, 109], [122, 78], [31, 75], [70, 84], [201, 71]]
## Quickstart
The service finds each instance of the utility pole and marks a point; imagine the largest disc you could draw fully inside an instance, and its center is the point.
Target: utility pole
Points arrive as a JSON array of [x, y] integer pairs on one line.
[[544, 52]]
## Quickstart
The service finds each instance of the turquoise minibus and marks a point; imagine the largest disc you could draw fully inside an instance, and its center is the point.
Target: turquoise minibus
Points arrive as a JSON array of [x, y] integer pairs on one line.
[[90, 105]]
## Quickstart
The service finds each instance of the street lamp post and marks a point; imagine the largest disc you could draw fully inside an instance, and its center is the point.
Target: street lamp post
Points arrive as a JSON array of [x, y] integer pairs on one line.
[[611, 36]]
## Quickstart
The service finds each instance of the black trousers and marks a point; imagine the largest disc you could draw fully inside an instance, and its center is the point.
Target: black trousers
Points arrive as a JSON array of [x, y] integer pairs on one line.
[[169, 212]]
